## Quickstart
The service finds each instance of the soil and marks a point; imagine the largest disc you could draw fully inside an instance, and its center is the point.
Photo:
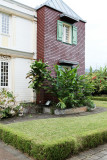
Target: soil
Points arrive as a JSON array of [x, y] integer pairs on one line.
[[29, 117]]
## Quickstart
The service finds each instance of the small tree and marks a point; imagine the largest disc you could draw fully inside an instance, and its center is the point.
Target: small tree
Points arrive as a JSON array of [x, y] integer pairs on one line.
[[38, 74]]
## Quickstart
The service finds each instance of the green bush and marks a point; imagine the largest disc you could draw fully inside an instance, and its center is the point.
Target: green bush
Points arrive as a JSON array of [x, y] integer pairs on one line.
[[99, 98], [72, 90], [98, 79], [55, 151], [37, 74]]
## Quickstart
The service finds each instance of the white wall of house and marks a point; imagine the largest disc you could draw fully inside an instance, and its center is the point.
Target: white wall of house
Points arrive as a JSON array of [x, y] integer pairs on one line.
[[18, 47], [20, 83], [23, 39], [22, 27]]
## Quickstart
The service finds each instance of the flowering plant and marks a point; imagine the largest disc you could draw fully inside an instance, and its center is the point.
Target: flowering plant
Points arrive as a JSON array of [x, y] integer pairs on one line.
[[8, 105]]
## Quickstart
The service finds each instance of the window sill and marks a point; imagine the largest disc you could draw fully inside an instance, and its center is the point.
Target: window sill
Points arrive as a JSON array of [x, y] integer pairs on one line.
[[4, 87], [7, 35], [66, 43]]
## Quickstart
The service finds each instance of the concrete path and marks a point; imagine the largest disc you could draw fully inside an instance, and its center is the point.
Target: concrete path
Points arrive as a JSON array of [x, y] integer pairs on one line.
[[99, 153], [9, 153]]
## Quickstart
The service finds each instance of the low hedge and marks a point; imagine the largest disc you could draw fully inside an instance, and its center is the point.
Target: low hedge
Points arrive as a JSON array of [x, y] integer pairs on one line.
[[99, 98], [55, 151]]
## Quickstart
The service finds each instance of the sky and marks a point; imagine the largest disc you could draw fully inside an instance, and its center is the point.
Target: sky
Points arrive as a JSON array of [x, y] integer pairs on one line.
[[95, 13]]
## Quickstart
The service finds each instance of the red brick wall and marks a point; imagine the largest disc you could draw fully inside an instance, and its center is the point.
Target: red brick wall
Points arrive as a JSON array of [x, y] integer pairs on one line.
[[40, 33], [51, 50]]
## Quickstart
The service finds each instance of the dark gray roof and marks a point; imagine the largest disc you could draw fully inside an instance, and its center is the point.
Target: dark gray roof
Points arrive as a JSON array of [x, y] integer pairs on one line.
[[59, 5]]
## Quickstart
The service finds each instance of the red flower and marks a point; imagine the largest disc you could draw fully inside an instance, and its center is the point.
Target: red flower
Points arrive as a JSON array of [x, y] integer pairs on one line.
[[94, 77]]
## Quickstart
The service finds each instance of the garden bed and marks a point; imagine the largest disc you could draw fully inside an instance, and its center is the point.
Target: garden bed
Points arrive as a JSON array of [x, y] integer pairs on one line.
[[64, 111], [37, 116]]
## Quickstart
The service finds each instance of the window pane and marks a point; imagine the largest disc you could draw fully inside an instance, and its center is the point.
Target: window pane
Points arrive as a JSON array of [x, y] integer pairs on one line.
[[5, 23], [4, 73], [66, 33]]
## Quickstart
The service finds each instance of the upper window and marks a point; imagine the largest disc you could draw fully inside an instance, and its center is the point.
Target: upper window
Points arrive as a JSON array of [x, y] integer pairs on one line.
[[66, 33], [5, 23]]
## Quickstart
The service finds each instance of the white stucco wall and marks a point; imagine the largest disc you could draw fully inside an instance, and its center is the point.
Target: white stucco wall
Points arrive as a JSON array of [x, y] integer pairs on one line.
[[22, 37], [20, 83], [22, 27]]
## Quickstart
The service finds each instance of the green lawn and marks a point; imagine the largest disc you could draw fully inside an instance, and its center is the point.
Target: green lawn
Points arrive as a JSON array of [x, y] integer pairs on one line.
[[57, 138], [100, 103], [57, 129]]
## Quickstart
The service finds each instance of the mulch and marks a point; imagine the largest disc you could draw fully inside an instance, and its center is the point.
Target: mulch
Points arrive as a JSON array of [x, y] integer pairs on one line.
[[38, 116]]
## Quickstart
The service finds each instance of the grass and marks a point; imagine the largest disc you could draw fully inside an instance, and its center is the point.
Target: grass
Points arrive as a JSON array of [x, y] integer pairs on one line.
[[52, 130], [100, 103], [57, 138]]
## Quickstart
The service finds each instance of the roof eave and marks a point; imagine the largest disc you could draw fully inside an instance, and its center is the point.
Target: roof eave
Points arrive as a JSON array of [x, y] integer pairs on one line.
[[21, 4], [65, 15], [77, 20], [67, 62]]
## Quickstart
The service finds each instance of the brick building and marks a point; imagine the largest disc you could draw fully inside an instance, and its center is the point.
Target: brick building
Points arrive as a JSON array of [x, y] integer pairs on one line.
[[60, 36], [52, 32]]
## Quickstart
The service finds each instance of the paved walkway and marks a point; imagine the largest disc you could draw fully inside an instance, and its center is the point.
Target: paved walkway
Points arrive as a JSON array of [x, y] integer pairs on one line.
[[9, 153], [99, 153]]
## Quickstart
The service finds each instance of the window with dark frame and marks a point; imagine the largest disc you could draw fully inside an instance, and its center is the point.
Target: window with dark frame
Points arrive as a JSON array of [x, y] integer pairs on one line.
[[4, 74]]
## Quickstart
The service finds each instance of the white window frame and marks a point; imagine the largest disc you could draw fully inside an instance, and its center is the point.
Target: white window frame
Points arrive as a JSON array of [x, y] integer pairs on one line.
[[5, 19], [65, 25]]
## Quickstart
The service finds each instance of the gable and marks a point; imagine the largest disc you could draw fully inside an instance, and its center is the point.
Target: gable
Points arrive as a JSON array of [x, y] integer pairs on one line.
[[62, 7]]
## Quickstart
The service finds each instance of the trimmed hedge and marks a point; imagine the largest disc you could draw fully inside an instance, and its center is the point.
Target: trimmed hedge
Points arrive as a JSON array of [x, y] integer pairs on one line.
[[99, 98], [54, 151]]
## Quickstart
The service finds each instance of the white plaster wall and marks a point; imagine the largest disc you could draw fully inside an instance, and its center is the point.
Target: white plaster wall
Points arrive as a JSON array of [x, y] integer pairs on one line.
[[22, 30], [21, 90], [23, 35]]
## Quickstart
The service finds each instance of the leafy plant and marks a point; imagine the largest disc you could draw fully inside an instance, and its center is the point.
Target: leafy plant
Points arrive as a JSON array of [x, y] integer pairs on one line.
[[37, 74], [8, 107], [98, 79], [70, 88]]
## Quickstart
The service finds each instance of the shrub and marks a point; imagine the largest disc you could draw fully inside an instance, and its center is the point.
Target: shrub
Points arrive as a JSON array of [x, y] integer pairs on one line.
[[38, 74], [71, 89], [99, 98], [8, 107], [98, 79]]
